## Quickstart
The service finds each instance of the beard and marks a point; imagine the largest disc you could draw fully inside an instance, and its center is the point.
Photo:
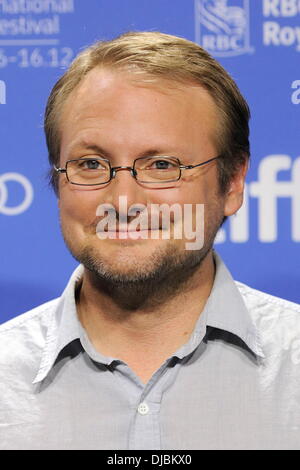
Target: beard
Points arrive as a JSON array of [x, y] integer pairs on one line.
[[166, 274], [148, 284]]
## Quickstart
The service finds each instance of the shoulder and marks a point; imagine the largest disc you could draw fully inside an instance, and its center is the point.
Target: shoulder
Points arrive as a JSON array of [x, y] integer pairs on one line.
[[277, 321], [24, 322], [261, 303], [23, 337]]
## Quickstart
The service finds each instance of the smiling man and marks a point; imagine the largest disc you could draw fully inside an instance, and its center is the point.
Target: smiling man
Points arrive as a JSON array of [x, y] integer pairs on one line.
[[151, 345]]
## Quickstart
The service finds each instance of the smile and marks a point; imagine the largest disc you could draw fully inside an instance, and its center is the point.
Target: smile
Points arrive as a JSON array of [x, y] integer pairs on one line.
[[127, 234]]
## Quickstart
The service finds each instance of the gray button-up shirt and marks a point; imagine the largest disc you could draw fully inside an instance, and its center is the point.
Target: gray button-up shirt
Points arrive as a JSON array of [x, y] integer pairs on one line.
[[234, 385]]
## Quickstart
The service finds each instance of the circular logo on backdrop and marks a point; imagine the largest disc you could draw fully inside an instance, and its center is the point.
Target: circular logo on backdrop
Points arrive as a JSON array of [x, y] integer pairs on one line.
[[28, 194]]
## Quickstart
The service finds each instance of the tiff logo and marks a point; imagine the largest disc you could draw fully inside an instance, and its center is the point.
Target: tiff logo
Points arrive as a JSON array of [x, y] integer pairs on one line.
[[2, 92], [267, 190]]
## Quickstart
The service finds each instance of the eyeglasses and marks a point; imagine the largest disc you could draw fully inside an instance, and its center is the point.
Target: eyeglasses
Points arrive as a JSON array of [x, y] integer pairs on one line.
[[95, 171]]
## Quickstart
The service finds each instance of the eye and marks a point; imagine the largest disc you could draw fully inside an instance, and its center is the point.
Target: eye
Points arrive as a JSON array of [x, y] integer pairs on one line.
[[163, 164], [91, 164]]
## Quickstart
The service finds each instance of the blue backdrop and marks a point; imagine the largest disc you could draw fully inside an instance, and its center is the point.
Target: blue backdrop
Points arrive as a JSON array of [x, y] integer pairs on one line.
[[257, 41]]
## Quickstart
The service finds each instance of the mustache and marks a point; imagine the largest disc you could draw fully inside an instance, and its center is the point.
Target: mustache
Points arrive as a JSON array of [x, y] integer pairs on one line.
[[153, 219]]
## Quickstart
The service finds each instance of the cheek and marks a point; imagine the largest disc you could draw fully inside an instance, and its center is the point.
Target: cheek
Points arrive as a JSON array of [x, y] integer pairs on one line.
[[78, 205], [187, 193]]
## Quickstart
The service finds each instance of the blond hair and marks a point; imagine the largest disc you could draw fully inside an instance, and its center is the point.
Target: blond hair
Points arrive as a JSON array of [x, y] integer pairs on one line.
[[152, 56]]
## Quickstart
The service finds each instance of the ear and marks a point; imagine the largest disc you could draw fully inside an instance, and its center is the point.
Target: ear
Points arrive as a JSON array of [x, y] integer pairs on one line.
[[235, 194]]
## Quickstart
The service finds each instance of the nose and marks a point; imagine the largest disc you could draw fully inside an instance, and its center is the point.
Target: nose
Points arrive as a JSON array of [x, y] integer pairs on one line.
[[118, 168], [123, 183]]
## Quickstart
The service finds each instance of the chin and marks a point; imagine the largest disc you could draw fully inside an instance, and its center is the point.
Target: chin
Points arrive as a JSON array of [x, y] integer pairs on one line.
[[128, 257], [129, 262]]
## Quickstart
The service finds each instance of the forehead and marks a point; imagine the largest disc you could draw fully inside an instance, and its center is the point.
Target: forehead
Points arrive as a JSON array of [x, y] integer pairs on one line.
[[108, 100], [101, 83]]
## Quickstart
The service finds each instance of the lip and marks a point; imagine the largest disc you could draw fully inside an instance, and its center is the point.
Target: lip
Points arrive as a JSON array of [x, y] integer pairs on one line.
[[127, 234], [128, 231], [132, 230]]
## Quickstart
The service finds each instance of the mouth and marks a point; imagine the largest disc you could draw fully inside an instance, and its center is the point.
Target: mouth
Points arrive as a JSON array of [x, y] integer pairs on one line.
[[127, 234], [132, 230], [124, 229]]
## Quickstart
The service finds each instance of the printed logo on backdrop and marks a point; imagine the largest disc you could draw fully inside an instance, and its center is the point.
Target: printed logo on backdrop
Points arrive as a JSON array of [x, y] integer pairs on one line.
[[267, 190], [282, 29], [2, 92], [296, 92], [16, 207], [223, 26], [30, 33]]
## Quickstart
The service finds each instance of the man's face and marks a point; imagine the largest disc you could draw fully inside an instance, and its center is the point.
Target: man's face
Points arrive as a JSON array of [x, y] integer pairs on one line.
[[127, 121]]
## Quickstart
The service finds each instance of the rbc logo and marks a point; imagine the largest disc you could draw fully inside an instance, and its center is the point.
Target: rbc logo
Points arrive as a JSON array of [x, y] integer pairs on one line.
[[223, 29]]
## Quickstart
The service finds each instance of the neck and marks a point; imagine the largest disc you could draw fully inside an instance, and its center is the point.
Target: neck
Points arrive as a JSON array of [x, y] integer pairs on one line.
[[151, 332]]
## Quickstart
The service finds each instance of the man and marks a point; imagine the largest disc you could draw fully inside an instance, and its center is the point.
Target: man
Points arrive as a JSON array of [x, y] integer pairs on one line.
[[152, 345]]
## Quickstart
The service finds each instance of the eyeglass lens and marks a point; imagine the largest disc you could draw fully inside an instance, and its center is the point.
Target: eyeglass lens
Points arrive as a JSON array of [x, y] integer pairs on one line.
[[92, 171]]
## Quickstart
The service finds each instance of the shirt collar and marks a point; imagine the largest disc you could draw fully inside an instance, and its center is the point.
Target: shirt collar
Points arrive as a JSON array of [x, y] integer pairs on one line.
[[224, 309], [63, 326]]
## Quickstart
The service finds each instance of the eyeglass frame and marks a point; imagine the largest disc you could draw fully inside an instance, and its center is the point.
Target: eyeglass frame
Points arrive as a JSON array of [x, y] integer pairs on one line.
[[133, 172]]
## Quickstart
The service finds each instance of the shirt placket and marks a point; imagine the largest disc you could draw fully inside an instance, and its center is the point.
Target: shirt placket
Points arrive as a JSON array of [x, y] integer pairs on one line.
[[145, 401]]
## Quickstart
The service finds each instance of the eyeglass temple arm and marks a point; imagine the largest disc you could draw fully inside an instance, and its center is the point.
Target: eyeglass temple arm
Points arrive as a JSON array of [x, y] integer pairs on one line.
[[189, 167], [60, 170]]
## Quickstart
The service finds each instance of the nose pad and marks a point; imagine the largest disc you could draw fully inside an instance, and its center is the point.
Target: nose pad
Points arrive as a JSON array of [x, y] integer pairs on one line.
[[117, 168]]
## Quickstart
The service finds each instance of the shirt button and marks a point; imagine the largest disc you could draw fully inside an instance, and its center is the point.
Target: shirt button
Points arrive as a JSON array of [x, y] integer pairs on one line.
[[143, 408]]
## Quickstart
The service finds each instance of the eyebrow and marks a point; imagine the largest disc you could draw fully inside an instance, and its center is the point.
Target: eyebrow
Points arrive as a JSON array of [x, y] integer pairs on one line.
[[101, 151], [94, 148]]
